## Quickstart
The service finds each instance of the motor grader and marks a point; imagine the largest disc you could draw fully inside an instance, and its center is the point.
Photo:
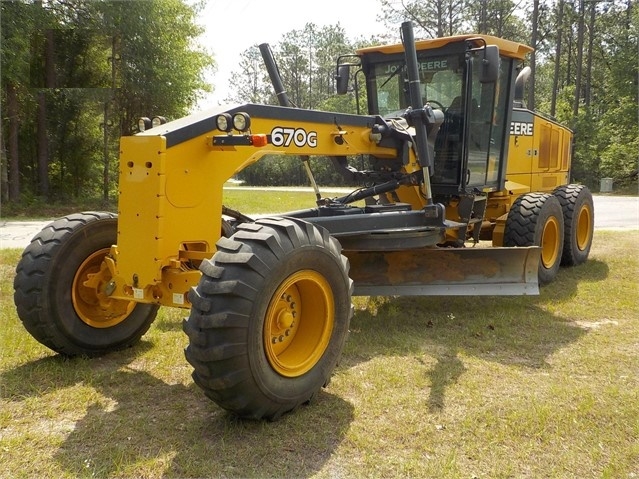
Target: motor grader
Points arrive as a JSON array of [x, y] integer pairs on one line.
[[465, 192]]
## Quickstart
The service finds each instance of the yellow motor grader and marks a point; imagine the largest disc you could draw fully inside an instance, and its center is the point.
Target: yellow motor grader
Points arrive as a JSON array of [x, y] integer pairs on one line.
[[465, 193]]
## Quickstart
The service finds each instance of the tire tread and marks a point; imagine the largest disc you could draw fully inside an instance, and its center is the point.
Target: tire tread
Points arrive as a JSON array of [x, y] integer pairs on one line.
[[219, 322]]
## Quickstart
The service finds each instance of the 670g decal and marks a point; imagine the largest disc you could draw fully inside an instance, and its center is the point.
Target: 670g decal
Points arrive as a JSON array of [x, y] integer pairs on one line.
[[284, 136]]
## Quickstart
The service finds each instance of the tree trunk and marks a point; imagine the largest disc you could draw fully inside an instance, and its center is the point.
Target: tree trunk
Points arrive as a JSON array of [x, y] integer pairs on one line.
[[555, 80], [41, 121], [13, 174], [43, 145], [591, 39], [533, 43], [440, 19], [4, 178], [569, 62], [482, 17], [580, 56]]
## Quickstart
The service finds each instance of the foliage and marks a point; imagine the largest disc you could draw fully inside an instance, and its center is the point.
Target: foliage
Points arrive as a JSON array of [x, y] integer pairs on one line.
[[619, 157], [436, 19], [602, 108], [92, 68]]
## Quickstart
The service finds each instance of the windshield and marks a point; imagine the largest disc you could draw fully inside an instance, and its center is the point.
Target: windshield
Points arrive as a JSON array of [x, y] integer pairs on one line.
[[440, 80], [470, 140]]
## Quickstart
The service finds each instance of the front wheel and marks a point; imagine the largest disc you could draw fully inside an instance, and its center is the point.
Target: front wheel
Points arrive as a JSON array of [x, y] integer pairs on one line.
[[269, 317], [536, 219], [60, 289]]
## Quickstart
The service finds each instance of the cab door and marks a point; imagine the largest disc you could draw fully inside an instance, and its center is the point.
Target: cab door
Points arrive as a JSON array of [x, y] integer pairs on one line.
[[486, 127]]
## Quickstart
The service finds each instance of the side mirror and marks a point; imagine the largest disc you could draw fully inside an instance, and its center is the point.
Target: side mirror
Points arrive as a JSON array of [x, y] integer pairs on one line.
[[343, 74], [489, 64]]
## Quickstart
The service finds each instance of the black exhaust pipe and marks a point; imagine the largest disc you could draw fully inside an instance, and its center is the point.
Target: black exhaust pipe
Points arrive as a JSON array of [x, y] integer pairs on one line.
[[520, 84], [274, 74]]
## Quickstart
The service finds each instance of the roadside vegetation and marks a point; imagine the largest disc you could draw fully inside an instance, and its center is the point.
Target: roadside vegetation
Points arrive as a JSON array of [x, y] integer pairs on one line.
[[486, 387]]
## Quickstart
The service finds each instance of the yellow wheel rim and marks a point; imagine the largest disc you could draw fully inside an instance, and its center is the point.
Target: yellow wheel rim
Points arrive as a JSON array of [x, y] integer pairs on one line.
[[550, 242], [299, 323], [90, 300], [584, 227]]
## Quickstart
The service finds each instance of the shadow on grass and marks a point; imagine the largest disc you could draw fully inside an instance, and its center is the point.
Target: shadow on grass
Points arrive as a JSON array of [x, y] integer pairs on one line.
[[565, 285], [515, 331], [142, 424]]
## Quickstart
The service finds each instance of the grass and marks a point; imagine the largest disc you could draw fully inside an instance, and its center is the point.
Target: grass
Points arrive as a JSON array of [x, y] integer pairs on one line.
[[260, 200], [521, 387]]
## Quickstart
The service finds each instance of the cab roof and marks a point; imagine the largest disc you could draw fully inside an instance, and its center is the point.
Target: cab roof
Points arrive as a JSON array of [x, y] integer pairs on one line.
[[506, 47]]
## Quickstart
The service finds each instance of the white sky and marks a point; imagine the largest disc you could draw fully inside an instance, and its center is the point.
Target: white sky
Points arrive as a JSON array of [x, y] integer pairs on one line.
[[232, 26]]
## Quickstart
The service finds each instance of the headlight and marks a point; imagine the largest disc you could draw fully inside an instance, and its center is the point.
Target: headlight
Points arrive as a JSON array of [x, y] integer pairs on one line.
[[241, 121], [223, 122], [157, 121], [144, 123]]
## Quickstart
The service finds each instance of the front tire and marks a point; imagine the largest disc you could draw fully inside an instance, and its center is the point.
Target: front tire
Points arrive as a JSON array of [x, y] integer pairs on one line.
[[536, 219], [579, 220], [59, 304], [269, 317]]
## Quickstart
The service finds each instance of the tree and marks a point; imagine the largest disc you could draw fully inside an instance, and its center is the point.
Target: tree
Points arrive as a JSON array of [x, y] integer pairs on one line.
[[158, 67], [83, 72], [533, 55], [496, 17], [249, 83], [14, 48], [558, 52], [436, 19], [616, 98], [580, 45]]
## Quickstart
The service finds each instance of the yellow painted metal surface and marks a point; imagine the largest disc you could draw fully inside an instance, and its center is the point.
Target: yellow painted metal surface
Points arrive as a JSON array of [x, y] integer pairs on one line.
[[142, 199], [170, 197], [539, 152], [298, 323], [89, 294], [506, 47]]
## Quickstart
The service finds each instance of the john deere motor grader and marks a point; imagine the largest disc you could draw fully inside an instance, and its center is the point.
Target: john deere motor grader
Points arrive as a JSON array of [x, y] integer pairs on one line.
[[455, 160]]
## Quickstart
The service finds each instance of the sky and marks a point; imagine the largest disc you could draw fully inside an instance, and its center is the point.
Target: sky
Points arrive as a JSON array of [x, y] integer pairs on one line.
[[234, 26]]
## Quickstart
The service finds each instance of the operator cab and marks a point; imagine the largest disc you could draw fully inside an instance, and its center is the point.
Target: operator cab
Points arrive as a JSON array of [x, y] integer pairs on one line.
[[471, 145]]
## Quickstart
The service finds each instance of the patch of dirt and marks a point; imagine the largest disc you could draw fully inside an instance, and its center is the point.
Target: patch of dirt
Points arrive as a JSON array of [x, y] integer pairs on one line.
[[596, 324]]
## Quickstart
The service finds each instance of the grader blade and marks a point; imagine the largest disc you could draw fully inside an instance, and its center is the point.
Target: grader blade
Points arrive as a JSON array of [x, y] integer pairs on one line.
[[446, 272]]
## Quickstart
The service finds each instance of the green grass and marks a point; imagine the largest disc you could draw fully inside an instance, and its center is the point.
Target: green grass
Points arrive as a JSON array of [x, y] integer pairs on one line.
[[521, 387], [264, 200], [258, 200]]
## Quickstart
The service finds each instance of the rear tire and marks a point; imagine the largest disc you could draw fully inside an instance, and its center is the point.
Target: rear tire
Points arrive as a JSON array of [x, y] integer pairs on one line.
[[53, 300], [579, 220], [269, 317], [536, 219]]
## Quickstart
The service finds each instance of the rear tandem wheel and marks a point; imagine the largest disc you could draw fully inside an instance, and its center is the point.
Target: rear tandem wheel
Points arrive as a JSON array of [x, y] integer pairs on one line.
[[536, 219], [579, 219], [269, 317]]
